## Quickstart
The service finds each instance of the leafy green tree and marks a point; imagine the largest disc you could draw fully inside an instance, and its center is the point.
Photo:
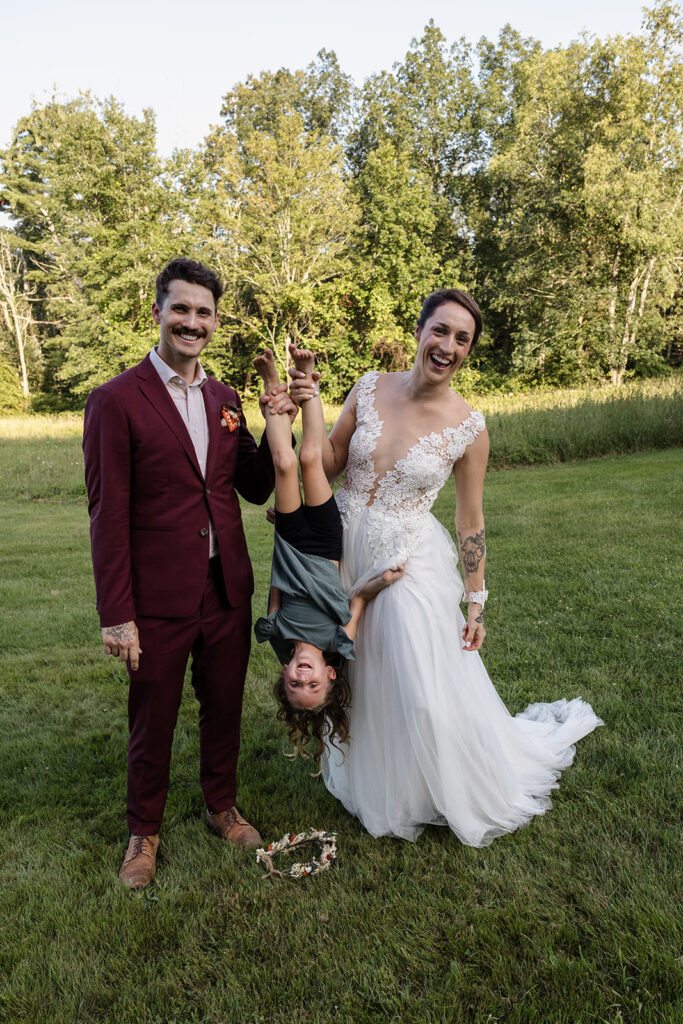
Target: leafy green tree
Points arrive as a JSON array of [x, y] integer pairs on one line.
[[396, 256], [83, 182], [634, 186], [296, 217], [280, 216], [426, 108], [265, 202], [579, 218], [412, 152], [530, 226], [323, 95]]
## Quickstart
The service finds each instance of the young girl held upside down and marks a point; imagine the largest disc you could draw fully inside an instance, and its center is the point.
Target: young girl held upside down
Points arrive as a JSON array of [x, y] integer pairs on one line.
[[311, 623]]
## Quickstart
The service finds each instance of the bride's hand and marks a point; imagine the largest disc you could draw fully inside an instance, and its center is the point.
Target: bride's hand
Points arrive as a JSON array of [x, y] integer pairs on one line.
[[373, 587], [303, 386], [473, 633]]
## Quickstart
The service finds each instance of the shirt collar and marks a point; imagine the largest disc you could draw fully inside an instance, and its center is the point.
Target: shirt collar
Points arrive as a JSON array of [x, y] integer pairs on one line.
[[168, 374]]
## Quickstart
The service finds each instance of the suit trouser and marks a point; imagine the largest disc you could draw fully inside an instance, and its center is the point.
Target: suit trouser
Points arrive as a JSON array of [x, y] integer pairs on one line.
[[218, 638]]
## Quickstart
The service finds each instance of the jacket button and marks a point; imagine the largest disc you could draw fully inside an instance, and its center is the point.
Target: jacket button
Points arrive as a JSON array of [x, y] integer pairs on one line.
[[208, 491], [203, 532]]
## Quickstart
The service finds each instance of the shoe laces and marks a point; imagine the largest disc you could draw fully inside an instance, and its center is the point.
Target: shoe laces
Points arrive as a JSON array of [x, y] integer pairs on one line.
[[231, 816], [142, 845]]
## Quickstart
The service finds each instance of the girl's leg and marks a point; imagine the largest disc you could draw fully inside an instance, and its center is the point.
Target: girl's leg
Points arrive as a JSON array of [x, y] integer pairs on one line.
[[317, 489], [279, 434]]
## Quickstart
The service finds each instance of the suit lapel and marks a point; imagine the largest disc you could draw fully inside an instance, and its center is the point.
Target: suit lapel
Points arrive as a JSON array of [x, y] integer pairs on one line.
[[156, 393], [213, 416]]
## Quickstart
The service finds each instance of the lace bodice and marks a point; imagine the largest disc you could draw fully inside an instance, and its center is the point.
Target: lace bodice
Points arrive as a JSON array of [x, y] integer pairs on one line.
[[398, 503]]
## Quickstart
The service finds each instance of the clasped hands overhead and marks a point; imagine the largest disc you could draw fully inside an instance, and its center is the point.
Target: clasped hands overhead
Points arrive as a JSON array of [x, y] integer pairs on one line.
[[281, 399]]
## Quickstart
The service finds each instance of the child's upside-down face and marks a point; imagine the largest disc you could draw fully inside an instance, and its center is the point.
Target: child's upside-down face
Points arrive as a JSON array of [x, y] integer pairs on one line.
[[307, 678]]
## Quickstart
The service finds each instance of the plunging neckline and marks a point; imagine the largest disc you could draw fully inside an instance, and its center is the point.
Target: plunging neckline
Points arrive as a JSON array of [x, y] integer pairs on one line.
[[378, 425]]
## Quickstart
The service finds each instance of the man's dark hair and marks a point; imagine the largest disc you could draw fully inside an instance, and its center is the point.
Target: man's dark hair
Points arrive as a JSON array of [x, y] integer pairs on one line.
[[436, 299], [192, 271]]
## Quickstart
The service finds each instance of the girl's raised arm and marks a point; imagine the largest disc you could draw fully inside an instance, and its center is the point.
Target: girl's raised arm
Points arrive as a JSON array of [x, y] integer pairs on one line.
[[336, 446]]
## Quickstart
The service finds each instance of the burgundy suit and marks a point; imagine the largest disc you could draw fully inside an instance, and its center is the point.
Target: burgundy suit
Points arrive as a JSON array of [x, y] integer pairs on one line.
[[149, 526]]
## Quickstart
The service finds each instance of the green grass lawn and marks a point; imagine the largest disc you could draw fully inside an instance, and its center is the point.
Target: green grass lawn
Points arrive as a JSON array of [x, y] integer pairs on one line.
[[572, 919]]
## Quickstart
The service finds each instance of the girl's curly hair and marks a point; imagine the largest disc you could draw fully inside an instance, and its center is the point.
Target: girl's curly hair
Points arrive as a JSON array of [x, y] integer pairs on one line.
[[327, 726]]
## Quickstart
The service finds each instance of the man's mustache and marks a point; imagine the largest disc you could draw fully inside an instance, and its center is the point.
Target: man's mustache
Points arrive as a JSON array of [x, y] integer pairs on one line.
[[188, 330]]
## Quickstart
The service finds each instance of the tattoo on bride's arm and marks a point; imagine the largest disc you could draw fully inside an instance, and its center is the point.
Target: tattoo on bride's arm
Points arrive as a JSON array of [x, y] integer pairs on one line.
[[472, 550], [480, 618]]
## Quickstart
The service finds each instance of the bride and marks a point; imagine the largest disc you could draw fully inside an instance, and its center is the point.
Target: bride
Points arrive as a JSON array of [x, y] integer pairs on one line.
[[430, 740]]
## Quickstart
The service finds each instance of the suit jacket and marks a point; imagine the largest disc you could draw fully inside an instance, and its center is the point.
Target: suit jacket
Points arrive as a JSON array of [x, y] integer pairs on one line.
[[149, 503]]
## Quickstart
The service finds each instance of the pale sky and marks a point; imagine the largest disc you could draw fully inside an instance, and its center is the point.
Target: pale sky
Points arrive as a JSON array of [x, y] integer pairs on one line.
[[180, 58]]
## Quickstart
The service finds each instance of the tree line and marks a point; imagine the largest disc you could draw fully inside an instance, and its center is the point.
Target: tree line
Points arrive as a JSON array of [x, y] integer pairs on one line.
[[548, 183]]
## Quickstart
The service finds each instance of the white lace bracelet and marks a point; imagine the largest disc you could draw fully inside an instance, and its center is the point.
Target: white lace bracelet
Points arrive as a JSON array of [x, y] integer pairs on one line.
[[477, 597]]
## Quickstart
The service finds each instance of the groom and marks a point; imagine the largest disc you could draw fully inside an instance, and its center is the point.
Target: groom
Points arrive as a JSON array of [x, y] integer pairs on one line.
[[167, 451]]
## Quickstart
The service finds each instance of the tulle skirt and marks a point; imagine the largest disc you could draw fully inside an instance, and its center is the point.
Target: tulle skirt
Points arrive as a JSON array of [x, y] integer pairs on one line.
[[431, 742]]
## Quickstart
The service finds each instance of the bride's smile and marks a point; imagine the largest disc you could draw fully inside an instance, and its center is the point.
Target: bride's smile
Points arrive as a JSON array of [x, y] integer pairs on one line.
[[444, 342]]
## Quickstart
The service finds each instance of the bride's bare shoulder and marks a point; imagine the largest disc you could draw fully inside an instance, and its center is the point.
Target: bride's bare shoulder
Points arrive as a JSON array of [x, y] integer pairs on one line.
[[388, 378], [459, 409]]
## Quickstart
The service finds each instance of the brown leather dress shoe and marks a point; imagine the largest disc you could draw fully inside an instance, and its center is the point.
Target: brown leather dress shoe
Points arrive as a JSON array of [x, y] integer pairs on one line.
[[140, 863], [231, 825]]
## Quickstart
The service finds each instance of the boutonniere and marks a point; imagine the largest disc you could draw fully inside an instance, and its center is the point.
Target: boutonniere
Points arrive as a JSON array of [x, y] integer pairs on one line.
[[230, 417]]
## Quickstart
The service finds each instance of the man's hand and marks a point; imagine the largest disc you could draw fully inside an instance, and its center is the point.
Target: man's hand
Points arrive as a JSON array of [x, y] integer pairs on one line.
[[278, 401], [123, 642]]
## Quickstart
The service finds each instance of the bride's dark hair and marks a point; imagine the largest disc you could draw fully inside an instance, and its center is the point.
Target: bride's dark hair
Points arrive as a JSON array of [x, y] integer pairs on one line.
[[326, 726], [436, 299]]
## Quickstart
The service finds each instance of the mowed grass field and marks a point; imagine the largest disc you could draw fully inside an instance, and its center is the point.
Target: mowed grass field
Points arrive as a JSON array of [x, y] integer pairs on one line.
[[574, 918]]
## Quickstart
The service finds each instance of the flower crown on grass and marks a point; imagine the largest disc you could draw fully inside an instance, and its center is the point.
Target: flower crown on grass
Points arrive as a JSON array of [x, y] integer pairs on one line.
[[325, 841]]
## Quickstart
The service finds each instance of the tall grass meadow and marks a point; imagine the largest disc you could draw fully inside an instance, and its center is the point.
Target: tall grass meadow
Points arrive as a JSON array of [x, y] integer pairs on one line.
[[526, 429]]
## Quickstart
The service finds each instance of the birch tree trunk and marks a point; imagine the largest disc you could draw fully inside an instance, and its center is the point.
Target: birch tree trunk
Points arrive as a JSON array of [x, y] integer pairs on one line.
[[641, 304], [618, 366], [10, 296]]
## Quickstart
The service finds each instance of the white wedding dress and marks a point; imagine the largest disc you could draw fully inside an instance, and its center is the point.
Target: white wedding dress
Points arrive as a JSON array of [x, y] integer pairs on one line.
[[431, 742]]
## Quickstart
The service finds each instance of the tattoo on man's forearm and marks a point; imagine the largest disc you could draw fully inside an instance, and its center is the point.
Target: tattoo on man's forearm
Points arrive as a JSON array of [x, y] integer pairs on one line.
[[480, 618], [472, 550]]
